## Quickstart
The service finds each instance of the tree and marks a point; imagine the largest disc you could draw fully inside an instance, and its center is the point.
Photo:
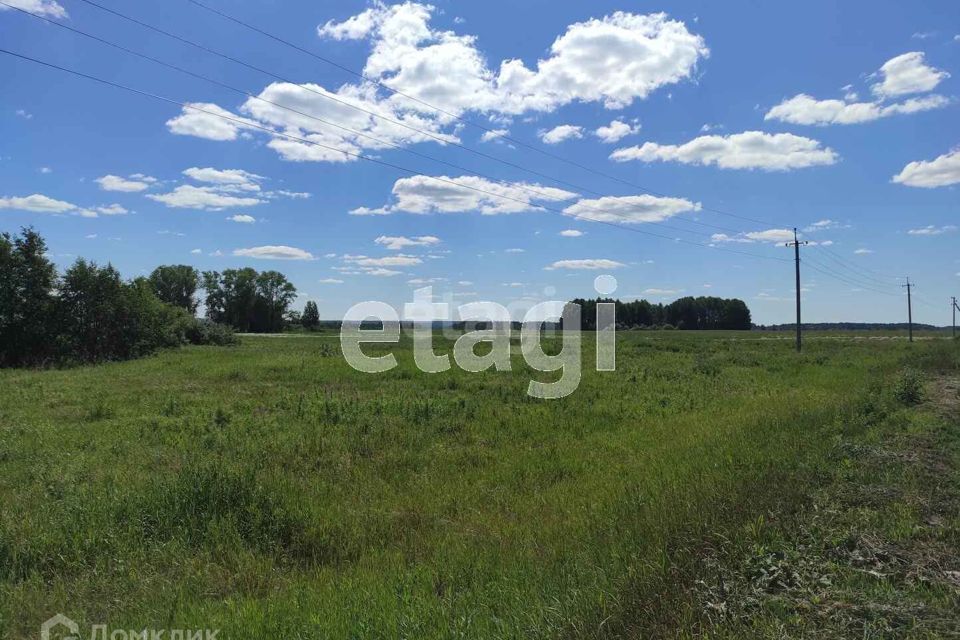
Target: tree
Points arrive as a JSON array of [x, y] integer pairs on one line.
[[247, 300], [27, 280], [176, 284], [311, 315]]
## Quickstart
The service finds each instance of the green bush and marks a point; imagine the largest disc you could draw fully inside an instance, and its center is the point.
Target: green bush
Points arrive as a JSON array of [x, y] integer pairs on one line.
[[908, 387]]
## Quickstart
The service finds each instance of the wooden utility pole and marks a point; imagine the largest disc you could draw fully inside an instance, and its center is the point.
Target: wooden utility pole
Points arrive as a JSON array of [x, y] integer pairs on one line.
[[954, 309], [909, 309], [796, 254]]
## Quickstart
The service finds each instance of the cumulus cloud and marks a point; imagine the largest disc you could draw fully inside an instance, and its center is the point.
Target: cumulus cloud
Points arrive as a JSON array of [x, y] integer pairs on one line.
[[49, 8], [227, 179], [863, 252], [589, 264], [112, 210], [330, 281], [202, 198], [561, 133], [630, 209], [398, 243], [807, 110], [37, 203], [616, 130], [423, 194], [907, 73], [242, 218], [613, 60], [494, 134], [775, 236], [747, 150], [133, 184], [274, 252], [932, 230], [209, 121], [939, 172], [401, 260], [571, 233]]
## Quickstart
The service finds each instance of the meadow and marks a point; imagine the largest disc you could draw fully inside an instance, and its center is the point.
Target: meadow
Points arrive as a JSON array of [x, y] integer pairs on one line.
[[269, 490]]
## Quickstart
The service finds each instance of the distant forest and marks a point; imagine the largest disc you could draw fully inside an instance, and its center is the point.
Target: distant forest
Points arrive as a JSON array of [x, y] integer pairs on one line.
[[690, 313], [851, 326]]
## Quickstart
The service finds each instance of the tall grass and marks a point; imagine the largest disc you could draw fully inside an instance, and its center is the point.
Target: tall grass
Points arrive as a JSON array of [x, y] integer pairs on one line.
[[272, 491]]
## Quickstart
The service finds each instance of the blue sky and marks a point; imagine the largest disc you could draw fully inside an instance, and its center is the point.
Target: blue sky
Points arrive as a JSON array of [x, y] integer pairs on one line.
[[837, 118]]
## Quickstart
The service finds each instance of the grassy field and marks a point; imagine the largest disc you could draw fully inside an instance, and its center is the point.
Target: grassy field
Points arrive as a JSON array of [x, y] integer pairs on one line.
[[269, 490]]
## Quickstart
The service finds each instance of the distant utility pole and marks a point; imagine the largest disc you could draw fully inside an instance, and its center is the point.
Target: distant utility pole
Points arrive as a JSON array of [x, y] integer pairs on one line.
[[796, 254], [909, 309], [954, 308]]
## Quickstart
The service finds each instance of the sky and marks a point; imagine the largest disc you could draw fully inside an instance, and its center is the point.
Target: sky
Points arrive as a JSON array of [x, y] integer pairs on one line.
[[499, 151]]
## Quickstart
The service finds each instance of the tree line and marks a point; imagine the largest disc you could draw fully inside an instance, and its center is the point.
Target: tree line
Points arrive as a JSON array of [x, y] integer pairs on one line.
[[704, 312], [91, 314]]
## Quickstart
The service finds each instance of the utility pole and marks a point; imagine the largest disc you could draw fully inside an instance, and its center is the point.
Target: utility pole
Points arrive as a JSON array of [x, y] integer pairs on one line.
[[796, 254], [909, 309], [954, 309]]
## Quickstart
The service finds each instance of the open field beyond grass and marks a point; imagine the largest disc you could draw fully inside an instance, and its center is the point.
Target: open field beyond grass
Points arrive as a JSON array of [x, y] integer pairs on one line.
[[271, 491]]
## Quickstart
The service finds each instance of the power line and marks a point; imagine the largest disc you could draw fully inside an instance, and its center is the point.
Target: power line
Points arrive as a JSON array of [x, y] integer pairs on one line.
[[441, 139], [519, 186], [368, 158], [849, 267], [820, 268]]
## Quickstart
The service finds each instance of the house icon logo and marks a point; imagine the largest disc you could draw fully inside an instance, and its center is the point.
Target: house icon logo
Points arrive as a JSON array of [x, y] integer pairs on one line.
[[59, 620]]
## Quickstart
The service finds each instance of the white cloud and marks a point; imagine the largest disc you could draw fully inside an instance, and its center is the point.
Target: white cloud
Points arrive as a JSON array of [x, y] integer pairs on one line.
[[939, 172], [274, 252], [614, 60], [382, 273], [630, 209], [747, 150], [932, 230], [822, 225], [196, 252], [401, 260], [807, 110], [36, 203], [494, 134], [423, 194], [592, 264], [49, 8], [616, 130], [227, 179], [45, 170], [330, 281], [398, 243], [561, 133], [661, 292], [202, 198], [514, 250], [23, 113], [209, 121], [863, 252], [126, 185], [907, 73], [242, 218], [464, 283], [571, 233], [112, 210], [767, 235]]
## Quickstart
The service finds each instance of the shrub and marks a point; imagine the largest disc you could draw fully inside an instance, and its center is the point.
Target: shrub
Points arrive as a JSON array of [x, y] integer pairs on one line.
[[908, 387], [204, 331]]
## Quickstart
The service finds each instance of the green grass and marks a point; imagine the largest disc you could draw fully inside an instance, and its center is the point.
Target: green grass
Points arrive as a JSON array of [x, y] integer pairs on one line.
[[271, 491]]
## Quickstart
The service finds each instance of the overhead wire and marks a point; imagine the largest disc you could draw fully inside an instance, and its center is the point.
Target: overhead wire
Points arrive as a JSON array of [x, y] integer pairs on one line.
[[369, 158]]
